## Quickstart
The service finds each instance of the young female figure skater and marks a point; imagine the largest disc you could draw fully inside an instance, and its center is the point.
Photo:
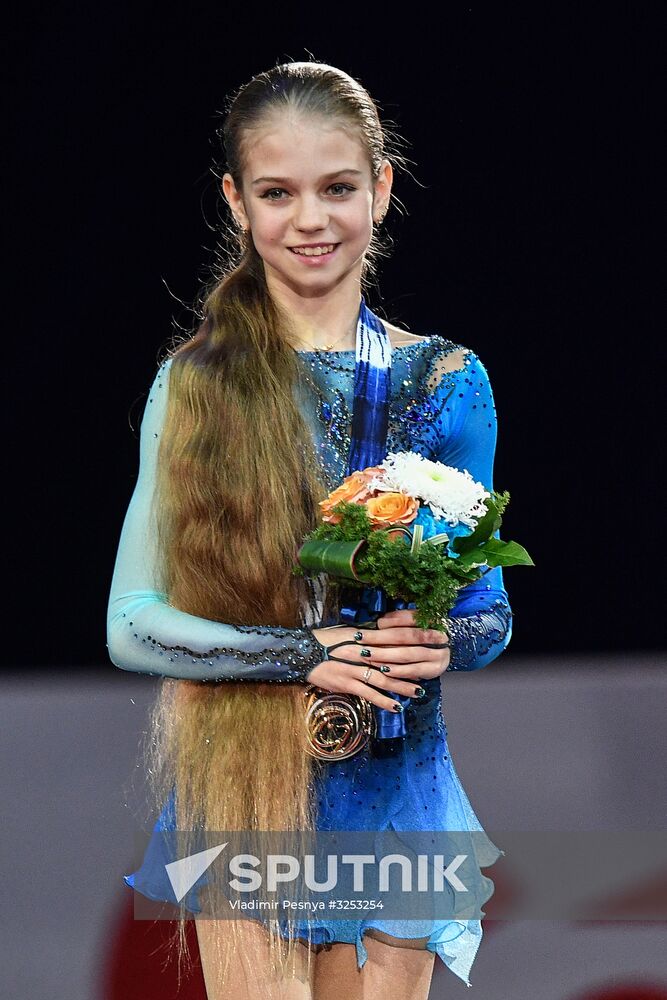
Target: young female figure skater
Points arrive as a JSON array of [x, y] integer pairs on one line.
[[249, 423]]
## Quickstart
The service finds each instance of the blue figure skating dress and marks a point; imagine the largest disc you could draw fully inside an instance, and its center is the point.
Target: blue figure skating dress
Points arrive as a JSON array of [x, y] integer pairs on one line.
[[440, 405]]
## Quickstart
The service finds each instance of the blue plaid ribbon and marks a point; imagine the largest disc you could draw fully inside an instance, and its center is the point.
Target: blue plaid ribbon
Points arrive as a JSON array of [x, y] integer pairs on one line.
[[368, 446]]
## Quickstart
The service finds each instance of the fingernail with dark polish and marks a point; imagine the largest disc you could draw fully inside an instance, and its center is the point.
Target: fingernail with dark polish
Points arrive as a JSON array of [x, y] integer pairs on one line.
[[420, 692], [398, 707], [384, 669], [365, 652]]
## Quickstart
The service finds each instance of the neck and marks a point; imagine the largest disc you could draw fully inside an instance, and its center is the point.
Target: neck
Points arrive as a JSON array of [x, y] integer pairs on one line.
[[318, 321]]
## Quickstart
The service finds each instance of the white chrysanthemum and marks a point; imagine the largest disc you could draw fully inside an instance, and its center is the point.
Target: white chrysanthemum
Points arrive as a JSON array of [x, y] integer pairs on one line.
[[452, 495]]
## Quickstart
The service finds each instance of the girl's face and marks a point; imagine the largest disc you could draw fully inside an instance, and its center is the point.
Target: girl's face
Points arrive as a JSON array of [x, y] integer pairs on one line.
[[309, 201]]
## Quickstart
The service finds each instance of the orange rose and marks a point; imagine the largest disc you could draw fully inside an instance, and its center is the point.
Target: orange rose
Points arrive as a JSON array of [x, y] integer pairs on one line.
[[353, 489], [392, 508]]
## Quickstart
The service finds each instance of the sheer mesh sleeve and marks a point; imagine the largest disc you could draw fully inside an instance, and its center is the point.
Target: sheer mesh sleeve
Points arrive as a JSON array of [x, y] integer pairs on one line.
[[146, 635], [480, 623]]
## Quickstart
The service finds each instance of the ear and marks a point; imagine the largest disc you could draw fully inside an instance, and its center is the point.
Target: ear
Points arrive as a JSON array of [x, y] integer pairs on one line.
[[235, 201], [382, 191]]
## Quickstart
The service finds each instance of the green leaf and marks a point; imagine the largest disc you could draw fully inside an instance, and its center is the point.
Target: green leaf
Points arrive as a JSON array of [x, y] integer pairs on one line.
[[336, 558], [484, 529], [500, 553], [476, 555]]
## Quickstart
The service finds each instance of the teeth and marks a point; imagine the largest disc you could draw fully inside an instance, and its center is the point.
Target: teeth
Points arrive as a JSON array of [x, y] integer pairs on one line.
[[313, 251]]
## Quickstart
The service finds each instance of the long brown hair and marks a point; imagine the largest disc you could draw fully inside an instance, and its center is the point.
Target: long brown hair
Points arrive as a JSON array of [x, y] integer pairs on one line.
[[237, 489]]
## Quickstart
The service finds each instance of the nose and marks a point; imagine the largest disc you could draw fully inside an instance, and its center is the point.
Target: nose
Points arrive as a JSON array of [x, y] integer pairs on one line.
[[310, 215]]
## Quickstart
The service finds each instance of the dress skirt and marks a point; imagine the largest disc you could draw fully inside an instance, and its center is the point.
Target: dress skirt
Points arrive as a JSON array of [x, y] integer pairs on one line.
[[407, 784]]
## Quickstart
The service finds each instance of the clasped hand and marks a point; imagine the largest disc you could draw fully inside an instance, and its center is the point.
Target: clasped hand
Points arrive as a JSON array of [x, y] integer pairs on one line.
[[411, 654]]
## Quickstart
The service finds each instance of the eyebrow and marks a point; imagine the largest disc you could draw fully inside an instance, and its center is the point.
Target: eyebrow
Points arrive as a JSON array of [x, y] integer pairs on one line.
[[286, 180]]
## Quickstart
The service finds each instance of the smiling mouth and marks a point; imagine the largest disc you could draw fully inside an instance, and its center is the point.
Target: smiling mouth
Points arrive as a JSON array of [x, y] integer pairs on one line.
[[314, 251]]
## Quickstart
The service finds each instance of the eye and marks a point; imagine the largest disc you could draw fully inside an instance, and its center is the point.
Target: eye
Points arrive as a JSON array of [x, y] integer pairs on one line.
[[272, 191], [345, 188]]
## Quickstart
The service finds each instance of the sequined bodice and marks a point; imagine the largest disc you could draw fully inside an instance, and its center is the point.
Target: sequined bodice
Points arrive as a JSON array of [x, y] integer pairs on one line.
[[415, 407]]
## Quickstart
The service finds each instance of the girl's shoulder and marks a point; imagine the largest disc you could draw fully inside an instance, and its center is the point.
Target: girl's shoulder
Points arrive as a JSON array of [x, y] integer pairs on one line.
[[445, 355], [402, 338]]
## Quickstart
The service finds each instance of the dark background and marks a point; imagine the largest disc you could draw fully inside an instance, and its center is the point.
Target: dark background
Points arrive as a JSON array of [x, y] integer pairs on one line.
[[530, 241]]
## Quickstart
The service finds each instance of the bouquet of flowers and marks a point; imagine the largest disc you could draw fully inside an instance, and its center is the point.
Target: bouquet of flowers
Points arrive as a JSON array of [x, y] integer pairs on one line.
[[418, 529]]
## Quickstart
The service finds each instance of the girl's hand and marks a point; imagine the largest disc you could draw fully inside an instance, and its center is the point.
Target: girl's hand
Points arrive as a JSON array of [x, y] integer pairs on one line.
[[410, 654]]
